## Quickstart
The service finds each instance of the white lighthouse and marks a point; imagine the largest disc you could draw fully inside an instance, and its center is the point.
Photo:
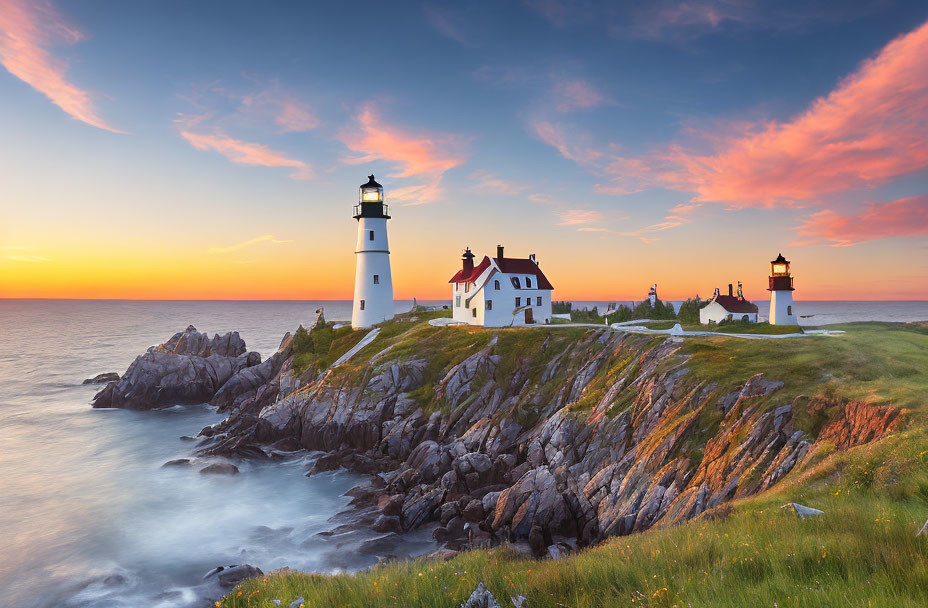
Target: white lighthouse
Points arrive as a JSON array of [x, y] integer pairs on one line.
[[781, 293], [373, 282]]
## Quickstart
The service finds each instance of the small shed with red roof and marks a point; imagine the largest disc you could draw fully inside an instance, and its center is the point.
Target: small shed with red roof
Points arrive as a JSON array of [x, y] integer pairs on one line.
[[728, 308], [500, 291]]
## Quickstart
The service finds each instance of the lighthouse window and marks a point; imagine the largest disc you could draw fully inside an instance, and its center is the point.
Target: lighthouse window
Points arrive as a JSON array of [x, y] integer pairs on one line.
[[528, 282], [475, 313], [538, 300], [376, 279], [372, 235], [489, 304], [518, 302], [362, 304], [789, 310], [516, 283], [496, 285]]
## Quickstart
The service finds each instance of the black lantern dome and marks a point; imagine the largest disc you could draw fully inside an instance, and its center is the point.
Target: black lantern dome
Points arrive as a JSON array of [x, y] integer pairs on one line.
[[780, 279], [370, 201]]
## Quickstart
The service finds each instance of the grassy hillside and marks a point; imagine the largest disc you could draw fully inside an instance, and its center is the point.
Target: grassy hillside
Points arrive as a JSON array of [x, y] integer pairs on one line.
[[862, 552]]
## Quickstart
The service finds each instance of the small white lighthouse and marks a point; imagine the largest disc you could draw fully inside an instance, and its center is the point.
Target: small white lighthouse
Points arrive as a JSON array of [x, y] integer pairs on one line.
[[781, 293], [373, 282]]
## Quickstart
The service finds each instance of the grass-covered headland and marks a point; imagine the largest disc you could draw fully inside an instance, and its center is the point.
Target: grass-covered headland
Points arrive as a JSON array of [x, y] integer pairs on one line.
[[862, 552]]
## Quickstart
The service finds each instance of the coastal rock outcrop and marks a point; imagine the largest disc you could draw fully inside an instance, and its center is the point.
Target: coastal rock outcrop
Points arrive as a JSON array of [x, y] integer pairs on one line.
[[574, 438], [187, 369]]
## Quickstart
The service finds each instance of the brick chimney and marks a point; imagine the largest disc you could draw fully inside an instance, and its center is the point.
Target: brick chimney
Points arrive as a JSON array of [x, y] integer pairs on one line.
[[468, 258], [730, 292], [499, 252]]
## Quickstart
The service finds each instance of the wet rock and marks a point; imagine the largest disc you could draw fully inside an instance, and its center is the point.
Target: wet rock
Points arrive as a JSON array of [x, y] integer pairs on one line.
[[102, 378], [177, 462], [387, 523], [220, 468], [188, 369]]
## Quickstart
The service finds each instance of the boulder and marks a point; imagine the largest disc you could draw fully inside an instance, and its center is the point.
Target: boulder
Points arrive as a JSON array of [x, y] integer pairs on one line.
[[102, 378], [220, 468], [186, 370]]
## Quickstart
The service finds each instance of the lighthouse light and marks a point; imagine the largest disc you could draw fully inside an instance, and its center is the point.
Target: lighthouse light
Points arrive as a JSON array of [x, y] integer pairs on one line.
[[779, 269], [371, 196]]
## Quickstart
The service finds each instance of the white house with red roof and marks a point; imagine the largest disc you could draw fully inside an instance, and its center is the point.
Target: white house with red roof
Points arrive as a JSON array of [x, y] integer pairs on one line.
[[500, 291], [728, 308]]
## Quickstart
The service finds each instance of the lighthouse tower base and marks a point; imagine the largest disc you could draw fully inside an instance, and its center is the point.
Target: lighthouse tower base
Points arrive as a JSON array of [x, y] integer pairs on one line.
[[781, 308]]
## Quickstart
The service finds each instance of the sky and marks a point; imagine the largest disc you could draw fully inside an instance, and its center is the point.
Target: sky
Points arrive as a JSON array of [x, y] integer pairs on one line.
[[214, 150]]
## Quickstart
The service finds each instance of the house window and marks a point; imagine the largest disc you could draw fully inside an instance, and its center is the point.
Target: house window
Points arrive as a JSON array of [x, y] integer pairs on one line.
[[475, 313], [496, 285], [516, 283], [489, 304], [789, 310], [466, 303], [518, 302], [457, 301], [362, 304], [372, 235], [528, 282], [376, 279], [539, 301]]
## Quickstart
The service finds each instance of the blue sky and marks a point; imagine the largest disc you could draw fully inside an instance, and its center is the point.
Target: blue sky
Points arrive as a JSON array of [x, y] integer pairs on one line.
[[621, 135]]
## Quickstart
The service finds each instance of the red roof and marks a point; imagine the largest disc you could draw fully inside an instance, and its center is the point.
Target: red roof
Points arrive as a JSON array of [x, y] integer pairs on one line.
[[733, 304], [507, 266], [524, 266], [462, 277]]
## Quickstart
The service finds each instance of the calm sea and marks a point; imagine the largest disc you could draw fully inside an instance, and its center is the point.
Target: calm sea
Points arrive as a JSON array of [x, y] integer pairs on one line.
[[87, 515]]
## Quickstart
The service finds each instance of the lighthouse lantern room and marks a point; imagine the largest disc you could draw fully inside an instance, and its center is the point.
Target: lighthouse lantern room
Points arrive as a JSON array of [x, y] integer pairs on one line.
[[373, 282], [781, 293]]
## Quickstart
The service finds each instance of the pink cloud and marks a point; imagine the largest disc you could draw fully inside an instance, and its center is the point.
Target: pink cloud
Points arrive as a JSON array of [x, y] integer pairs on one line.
[[870, 129], [573, 217], [246, 153], [577, 95], [570, 146], [286, 111], [420, 154], [491, 182], [902, 217], [26, 30]]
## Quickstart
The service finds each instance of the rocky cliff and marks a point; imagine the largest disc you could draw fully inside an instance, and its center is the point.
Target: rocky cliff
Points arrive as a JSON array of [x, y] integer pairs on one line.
[[547, 435]]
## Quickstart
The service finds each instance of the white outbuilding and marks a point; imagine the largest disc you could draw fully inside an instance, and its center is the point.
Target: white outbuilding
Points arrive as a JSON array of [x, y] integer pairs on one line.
[[728, 308], [500, 291]]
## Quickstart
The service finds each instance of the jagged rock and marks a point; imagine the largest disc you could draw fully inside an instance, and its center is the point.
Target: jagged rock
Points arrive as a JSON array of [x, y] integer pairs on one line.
[[861, 424], [190, 368], [533, 500], [387, 523], [219, 581], [480, 598], [102, 378]]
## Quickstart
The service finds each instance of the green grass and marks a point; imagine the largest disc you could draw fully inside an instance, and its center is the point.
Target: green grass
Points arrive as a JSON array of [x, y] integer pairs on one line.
[[753, 328], [862, 552]]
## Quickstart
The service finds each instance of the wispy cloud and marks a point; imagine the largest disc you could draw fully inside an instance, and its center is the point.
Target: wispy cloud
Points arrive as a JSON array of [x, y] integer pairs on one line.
[[574, 94], [487, 181], [247, 153], [283, 109], [574, 217], [447, 24], [902, 217], [27, 30], [417, 154], [267, 238], [671, 221], [870, 130]]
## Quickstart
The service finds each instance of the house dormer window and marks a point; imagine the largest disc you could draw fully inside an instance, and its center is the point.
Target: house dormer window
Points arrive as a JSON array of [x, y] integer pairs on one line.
[[528, 282], [516, 283]]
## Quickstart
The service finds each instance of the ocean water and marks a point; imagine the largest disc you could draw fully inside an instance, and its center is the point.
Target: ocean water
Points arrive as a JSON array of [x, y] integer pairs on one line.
[[87, 515]]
